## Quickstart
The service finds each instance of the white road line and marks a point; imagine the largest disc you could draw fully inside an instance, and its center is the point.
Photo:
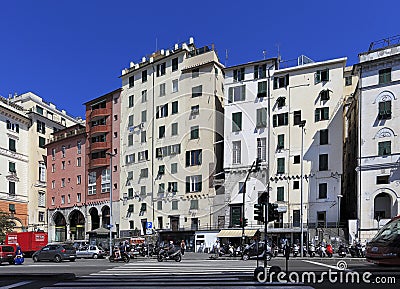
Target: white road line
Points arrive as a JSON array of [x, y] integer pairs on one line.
[[22, 283], [324, 265]]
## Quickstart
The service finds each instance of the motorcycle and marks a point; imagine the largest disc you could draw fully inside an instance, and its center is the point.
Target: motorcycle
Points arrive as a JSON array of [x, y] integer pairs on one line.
[[295, 250], [311, 250], [321, 250], [122, 256], [342, 251], [163, 255], [357, 250]]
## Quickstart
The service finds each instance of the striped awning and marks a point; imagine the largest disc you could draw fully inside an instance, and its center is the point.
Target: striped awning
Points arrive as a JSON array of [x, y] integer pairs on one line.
[[235, 233]]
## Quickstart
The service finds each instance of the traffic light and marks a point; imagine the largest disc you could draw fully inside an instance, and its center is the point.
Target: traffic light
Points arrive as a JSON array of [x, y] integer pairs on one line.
[[258, 165], [259, 212], [245, 222], [273, 214]]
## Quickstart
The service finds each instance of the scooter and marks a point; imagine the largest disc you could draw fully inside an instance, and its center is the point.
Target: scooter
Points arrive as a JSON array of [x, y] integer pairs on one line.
[[295, 250], [321, 251], [329, 251], [163, 255], [122, 256], [342, 251], [311, 250]]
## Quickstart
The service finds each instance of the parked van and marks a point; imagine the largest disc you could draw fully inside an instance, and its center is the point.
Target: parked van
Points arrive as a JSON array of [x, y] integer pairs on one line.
[[7, 254]]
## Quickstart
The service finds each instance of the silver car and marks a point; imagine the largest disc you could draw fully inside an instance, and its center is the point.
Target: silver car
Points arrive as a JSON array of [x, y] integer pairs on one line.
[[90, 251]]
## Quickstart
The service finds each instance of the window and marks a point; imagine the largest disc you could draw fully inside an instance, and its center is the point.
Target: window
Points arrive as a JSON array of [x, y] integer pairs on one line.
[[174, 64], [321, 75], [195, 72], [130, 120], [143, 136], [193, 158], [78, 179], [62, 182], [69, 198], [161, 69], [143, 190], [236, 121], [280, 166], [92, 183], [130, 101], [281, 101], [174, 107], [380, 180], [242, 188], [161, 131], [144, 76], [78, 197], [384, 148], [262, 89], [194, 204], [161, 169], [11, 188], [262, 149], [385, 75], [281, 141], [322, 191], [143, 155], [237, 93], [144, 173], [174, 168], [41, 199], [41, 217], [63, 151], [41, 127], [323, 162], [261, 118], [195, 110], [105, 181], [174, 129], [348, 80], [52, 201], [296, 185], [280, 119], [39, 110], [53, 154], [79, 147], [175, 86], [280, 194], [129, 159], [42, 172], [12, 145], [385, 110], [79, 162], [162, 89], [42, 142], [238, 74], [194, 132], [281, 81], [324, 95], [53, 184], [130, 139], [236, 152], [131, 81], [159, 205], [144, 96], [321, 113], [193, 184], [53, 168], [260, 71], [161, 188], [323, 136], [162, 111], [174, 205], [197, 91], [296, 117], [143, 207], [172, 187], [11, 167]]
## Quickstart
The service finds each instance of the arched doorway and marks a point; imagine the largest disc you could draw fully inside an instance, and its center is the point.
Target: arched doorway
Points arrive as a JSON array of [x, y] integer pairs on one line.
[[77, 225], [94, 217], [61, 227], [105, 216], [382, 206]]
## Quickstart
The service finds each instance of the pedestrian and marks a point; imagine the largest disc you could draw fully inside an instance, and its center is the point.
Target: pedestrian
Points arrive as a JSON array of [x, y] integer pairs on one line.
[[216, 248], [19, 257], [183, 247]]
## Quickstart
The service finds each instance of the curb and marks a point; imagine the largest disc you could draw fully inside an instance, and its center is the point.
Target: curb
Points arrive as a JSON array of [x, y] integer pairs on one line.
[[40, 276]]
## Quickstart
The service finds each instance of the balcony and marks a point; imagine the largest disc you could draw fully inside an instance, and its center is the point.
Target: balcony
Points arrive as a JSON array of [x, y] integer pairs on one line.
[[66, 135], [99, 129], [96, 163], [100, 112], [100, 146]]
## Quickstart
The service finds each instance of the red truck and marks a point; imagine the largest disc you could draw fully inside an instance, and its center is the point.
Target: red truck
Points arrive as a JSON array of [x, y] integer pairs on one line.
[[29, 242]]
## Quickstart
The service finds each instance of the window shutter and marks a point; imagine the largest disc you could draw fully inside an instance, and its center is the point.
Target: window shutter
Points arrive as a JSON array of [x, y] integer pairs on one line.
[[230, 95], [326, 113], [388, 108], [243, 92], [274, 120], [199, 158], [286, 118], [275, 82], [286, 79], [318, 77], [317, 114], [187, 184], [255, 71], [199, 184], [188, 158], [235, 75]]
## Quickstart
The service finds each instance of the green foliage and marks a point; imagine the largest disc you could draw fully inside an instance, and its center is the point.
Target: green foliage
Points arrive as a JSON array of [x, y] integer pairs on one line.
[[6, 225]]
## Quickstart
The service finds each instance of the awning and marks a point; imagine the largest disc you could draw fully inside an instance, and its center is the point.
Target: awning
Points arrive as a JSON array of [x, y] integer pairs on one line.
[[235, 233]]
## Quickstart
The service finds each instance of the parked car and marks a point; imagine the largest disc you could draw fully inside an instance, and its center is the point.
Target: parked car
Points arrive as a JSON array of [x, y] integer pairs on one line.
[[90, 251], [251, 251], [7, 254], [55, 252]]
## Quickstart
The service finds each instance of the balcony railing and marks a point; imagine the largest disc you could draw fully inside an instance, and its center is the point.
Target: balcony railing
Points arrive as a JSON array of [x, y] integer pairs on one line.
[[101, 162], [99, 129], [100, 112], [66, 135], [99, 146]]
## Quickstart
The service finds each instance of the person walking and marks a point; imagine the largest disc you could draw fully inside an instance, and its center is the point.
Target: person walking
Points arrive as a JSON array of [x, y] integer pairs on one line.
[[19, 256], [183, 247]]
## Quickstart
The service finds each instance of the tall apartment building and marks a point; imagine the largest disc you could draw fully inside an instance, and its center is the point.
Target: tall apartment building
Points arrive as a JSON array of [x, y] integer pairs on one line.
[[45, 119], [103, 121], [66, 179], [378, 148], [14, 127], [171, 140]]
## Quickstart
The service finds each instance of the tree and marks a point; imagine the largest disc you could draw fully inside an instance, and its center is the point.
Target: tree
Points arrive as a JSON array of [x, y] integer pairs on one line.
[[6, 225]]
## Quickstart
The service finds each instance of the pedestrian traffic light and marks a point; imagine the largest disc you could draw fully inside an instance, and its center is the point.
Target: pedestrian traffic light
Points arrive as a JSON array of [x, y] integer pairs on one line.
[[273, 214], [245, 222], [258, 165], [259, 212]]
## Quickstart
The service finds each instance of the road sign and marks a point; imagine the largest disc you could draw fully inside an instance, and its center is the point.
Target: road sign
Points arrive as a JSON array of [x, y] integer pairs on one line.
[[149, 231], [149, 225]]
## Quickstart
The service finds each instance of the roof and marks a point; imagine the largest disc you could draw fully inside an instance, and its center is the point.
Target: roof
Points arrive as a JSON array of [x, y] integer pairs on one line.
[[236, 233], [103, 96], [99, 231]]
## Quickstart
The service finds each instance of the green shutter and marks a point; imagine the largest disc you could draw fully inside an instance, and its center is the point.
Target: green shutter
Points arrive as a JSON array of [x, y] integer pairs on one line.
[[187, 184], [255, 71], [317, 114], [318, 76], [326, 113], [285, 118], [275, 82], [230, 95], [188, 158], [274, 120], [281, 141], [280, 194], [281, 166], [388, 108], [235, 75], [286, 79], [200, 185], [243, 92]]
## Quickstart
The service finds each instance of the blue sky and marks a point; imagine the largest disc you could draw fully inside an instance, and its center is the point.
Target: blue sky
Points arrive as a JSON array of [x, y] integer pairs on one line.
[[69, 52]]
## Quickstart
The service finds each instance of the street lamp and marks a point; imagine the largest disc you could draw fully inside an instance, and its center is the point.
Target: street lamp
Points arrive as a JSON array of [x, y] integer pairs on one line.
[[111, 188], [301, 124], [339, 197]]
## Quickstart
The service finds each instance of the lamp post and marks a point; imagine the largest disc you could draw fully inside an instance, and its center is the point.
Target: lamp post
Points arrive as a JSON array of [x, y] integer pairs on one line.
[[111, 188], [301, 125], [339, 197]]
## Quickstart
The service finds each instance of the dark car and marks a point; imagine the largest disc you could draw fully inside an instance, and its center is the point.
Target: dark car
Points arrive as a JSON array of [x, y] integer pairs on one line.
[[56, 253], [7, 254], [251, 251]]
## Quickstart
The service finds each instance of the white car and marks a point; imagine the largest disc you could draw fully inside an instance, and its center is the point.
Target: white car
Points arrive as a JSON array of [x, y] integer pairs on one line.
[[90, 251]]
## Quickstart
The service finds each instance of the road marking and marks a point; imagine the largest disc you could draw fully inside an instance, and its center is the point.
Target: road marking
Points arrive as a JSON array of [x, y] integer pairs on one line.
[[16, 285], [324, 265]]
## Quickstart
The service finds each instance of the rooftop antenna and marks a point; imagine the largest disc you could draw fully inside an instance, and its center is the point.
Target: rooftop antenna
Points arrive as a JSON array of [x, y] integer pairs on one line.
[[279, 53], [156, 44], [264, 53], [226, 56]]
